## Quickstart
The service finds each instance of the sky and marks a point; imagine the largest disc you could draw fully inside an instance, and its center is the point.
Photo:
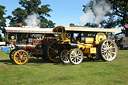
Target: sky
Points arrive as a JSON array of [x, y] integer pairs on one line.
[[64, 11]]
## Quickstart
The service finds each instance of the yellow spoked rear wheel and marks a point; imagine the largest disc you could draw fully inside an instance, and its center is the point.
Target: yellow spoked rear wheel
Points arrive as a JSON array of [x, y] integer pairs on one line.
[[20, 57]]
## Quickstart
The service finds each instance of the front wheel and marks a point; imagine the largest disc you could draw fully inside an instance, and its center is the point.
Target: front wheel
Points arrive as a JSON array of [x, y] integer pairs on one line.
[[20, 57], [64, 56], [107, 50], [76, 56]]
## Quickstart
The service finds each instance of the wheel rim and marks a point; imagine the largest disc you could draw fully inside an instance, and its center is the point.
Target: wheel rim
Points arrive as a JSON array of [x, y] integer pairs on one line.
[[12, 54], [54, 52], [20, 57], [76, 56], [108, 50], [64, 56]]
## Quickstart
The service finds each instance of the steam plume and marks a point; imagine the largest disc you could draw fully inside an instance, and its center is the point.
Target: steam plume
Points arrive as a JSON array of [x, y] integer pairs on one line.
[[96, 9], [32, 20], [86, 16]]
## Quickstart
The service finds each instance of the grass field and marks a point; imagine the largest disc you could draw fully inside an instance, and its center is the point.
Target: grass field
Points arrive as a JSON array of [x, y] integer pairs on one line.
[[42, 72]]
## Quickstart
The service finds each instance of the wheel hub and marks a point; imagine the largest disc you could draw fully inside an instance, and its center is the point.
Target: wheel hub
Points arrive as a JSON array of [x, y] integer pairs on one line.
[[56, 51], [21, 57], [108, 49]]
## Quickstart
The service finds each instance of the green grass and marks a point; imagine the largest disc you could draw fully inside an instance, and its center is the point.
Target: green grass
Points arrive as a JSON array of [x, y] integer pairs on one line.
[[42, 72]]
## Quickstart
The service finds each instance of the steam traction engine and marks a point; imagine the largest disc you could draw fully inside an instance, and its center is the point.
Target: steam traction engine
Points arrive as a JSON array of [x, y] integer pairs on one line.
[[75, 42], [20, 54], [28, 41]]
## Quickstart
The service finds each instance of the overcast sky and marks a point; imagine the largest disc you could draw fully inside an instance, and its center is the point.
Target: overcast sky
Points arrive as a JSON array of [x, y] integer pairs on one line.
[[64, 11]]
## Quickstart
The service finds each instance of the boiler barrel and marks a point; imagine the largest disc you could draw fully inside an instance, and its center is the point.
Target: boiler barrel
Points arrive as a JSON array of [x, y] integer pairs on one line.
[[25, 47], [74, 45]]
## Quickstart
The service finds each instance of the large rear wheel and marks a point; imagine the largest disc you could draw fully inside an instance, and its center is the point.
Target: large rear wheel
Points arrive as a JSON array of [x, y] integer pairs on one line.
[[20, 57], [107, 50], [53, 51]]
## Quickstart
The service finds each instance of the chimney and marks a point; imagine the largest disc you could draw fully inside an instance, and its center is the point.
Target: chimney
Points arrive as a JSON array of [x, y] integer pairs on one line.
[[72, 25], [19, 24]]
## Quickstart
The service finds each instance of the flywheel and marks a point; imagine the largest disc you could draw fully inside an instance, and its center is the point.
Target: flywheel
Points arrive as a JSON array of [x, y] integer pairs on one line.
[[100, 37]]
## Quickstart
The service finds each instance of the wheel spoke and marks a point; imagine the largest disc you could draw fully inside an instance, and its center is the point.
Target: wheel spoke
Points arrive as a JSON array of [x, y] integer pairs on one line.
[[113, 53], [18, 54], [107, 43], [110, 44], [104, 45], [110, 55], [17, 58], [76, 60], [52, 55], [72, 55], [51, 48], [103, 50]]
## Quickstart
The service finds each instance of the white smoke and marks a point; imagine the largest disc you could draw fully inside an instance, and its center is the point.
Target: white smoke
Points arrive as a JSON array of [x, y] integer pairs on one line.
[[97, 9], [32, 20], [86, 16]]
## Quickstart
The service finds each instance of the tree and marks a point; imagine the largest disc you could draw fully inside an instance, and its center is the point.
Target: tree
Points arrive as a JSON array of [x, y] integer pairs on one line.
[[0, 38], [118, 16], [2, 18], [18, 17], [31, 6], [120, 10]]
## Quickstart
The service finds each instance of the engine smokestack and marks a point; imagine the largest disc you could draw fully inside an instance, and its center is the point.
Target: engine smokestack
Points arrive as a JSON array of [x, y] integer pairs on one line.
[[19, 24], [72, 25]]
